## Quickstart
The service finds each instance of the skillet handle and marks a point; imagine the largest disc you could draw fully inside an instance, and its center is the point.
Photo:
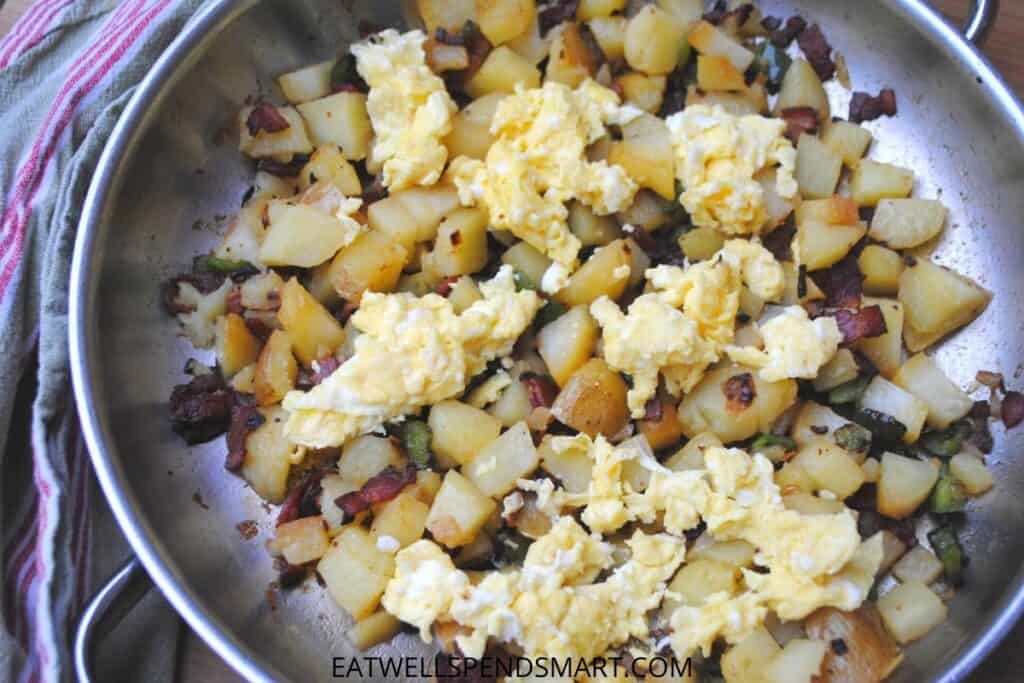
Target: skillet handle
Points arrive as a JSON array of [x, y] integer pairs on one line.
[[982, 15], [105, 611]]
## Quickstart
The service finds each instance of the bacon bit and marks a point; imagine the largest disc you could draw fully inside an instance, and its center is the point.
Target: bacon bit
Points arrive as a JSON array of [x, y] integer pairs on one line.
[[201, 409], [819, 429], [234, 304], [368, 28], [555, 13], [720, 13], [842, 283], [780, 241], [799, 120], [259, 327], [325, 367], [375, 191], [867, 322], [541, 389], [442, 35], [445, 286], [266, 117], [247, 529], [866, 213], [864, 107], [782, 37], [282, 169], [346, 87], [380, 488], [981, 409], [801, 282], [197, 498], [992, 380], [1013, 409], [245, 418], [813, 43], [301, 500], [653, 410], [815, 309], [346, 311], [740, 392], [291, 575]]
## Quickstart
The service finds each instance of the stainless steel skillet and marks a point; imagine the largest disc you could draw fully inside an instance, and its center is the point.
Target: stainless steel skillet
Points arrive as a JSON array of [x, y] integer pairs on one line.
[[959, 128]]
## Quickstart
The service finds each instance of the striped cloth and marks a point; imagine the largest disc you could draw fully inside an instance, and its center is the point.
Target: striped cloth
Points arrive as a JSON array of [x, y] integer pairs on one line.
[[66, 70]]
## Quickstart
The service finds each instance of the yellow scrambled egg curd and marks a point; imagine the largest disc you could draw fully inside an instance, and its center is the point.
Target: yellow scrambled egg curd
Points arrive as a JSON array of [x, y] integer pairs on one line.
[[717, 157], [545, 608], [538, 162], [412, 352], [409, 108], [794, 346]]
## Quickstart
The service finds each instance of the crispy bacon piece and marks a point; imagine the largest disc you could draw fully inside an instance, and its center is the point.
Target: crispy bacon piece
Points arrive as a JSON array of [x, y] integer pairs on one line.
[[842, 283], [864, 107], [375, 191], [302, 498], [540, 388], [201, 409], [867, 322], [780, 241], [444, 287], [1013, 409], [720, 12], [443, 35], [799, 120], [380, 488], [782, 37], [245, 418], [740, 392], [325, 367], [234, 304], [266, 117], [819, 53], [654, 410], [554, 13]]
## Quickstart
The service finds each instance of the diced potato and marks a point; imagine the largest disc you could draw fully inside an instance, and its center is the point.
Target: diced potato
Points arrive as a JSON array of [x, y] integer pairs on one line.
[[270, 186], [871, 653], [830, 467], [285, 144], [500, 72], [402, 518], [664, 432], [892, 550], [471, 128], [643, 91], [652, 41], [375, 629], [496, 467], [309, 83], [301, 540], [697, 579], [340, 119], [464, 294], [597, 278], [885, 351], [801, 87], [610, 33], [527, 260], [747, 660], [821, 245], [275, 369], [751, 306], [790, 295], [872, 470], [502, 20], [571, 467], [840, 370], [691, 456], [301, 235], [332, 487], [235, 345], [735, 103], [591, 9], [687, 12], [568, 342], [718, 73], [645, 152], [911, 610], [817, 168], [366, 456], [372, 263], [923, 378], [848, 140], [709, 40], [970, 471], [648, 212], [414, 214], [906, 223], [814, 422], [919, 564], [570, 57], [244, 380], [450, 15], [589, 228], [738, 553], [808, 504], [874, 181], [799, 662], [904, 484], [459, 511], [834, 210], [428, 483], [442, 57], [937, 302], [327, 163], [792, 478], [461, 244], [355, 572], [706, 408], [513, 405], [881, 268], [886, 397], [593, 400], [460, 431], [418, 284], [314, 332], [268, 456]]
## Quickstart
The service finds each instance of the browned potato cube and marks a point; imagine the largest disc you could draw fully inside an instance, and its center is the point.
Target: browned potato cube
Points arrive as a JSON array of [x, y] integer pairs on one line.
[[275, 369], [460, 431], [268, 456], [500, 72], [593, 400], [235, 345], [329, 164], [600, 276], [498, 465], [461, 244], [801, 87], [301, 540], [642, 91], [471, 128], [881, 268], [566, 343], [937, 301], [403, 518], [368, 455], [734, 403], [372, 263], [502, 20], [666, 430], [314, 332], [874, 181], [571, 59], [718, 73], [645, 152], [459, 512]]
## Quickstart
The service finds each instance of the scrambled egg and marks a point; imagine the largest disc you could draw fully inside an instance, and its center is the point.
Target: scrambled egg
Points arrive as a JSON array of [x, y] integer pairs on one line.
[[794, 346], [549, 607], [718, 155], [538, 162], [409, 107], [412, 352]]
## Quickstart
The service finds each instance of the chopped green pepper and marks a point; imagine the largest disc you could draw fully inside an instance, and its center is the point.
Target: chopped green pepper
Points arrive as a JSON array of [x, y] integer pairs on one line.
[[344, 72], [524, 281], [548, 313], [773, 447], [772, 61], [948, 495], [883, 427], [948, 442], [510, 547], [849, 392], [950, 553], [415, 436], [215, 264], [853, 437]]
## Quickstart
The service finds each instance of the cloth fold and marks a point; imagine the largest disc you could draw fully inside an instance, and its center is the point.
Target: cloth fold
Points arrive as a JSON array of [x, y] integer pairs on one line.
[[67, 69]]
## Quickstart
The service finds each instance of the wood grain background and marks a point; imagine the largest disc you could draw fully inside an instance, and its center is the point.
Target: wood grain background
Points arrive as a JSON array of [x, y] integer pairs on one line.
[[1005, 47]]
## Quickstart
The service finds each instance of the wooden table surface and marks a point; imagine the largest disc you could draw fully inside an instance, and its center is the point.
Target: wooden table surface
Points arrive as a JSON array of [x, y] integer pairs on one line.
[[198, 664]]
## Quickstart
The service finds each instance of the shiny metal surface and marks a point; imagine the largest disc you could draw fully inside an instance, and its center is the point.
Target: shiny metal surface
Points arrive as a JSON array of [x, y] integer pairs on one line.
[[983, 14], [172, 162]]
